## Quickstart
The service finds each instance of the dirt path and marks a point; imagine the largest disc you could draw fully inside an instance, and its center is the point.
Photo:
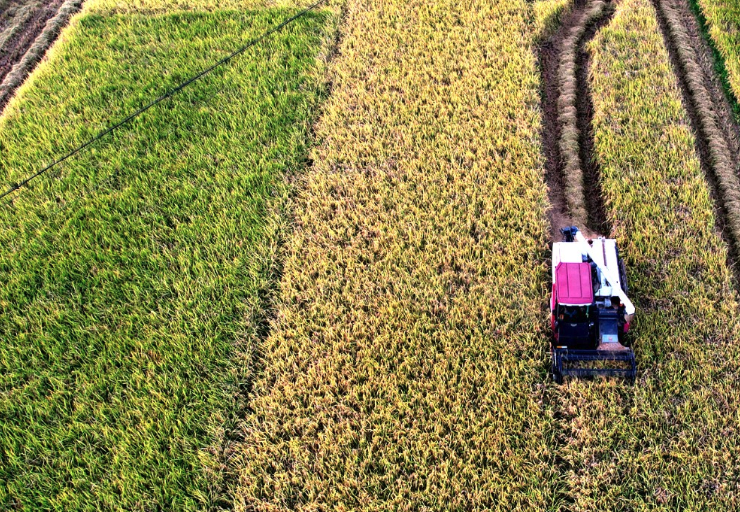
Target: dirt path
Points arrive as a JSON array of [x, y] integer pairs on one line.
[[717, 135], [23, 37], [580, 201]]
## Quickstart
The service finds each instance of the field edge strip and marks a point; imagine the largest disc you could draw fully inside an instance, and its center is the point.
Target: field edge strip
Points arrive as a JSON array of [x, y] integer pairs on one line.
[[22, 69], [713, 148]]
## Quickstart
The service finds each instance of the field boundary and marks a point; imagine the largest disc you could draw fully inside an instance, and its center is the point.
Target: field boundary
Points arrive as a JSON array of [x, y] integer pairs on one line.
[[264, 311], [572, 174], [717, 136], [720, 66], [22, 69]]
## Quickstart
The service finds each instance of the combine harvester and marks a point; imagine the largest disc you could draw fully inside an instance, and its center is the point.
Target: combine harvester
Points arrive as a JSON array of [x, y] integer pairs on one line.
[[590, 309]]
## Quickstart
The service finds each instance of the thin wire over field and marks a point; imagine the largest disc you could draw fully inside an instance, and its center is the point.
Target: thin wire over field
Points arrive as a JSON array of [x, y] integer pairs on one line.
[[167, 95]]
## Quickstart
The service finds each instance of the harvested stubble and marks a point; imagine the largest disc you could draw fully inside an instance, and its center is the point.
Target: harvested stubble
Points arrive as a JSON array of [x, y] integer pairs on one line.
[[723, 162], [671, 441], [13, 16], [570, 137], [51, 30], [405, 366], [134, 275]]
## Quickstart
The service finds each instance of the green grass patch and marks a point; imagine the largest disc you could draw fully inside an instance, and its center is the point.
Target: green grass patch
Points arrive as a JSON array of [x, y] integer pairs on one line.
[[133, 274]]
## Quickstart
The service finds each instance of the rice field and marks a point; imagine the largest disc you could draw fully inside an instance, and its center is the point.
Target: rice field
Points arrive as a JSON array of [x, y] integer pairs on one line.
[[318, 279], [670, 441], [135, 277], [406, 366]]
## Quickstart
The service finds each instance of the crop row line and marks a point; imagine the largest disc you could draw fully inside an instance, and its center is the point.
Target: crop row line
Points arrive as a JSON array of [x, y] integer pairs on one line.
[[705, 115], [570, 134]]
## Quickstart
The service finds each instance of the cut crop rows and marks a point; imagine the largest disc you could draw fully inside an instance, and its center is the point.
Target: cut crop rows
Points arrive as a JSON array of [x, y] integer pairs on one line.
[[27, 30], [671, 440], [714, 127], [720, 21], [572, 172]]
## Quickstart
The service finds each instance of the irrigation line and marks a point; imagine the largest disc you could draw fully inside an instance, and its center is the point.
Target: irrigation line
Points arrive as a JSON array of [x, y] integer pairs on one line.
[[163, 97]]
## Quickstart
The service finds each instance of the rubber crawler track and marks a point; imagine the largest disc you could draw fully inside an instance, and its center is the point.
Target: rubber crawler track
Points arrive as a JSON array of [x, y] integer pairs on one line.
[[572, 172], [709, 112]]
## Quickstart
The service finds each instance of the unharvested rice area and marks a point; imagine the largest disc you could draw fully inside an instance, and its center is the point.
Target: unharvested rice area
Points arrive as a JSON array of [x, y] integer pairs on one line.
[[134, 275], [670, 441], [406, 365]]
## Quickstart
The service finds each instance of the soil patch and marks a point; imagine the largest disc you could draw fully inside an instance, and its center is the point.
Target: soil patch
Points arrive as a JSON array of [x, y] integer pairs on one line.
[[17, 45], [549, 58]]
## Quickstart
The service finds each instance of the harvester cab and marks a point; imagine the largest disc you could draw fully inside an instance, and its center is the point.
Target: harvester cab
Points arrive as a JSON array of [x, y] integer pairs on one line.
[[590, 310]]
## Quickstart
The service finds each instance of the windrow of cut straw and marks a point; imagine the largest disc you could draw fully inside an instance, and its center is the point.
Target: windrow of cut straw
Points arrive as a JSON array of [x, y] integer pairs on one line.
[[570, 136], [723, 163], [38, 48], [15, 21]]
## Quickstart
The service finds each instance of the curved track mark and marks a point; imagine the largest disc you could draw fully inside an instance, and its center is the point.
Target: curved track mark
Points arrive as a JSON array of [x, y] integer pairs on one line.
[[717, 135], [571, 171]]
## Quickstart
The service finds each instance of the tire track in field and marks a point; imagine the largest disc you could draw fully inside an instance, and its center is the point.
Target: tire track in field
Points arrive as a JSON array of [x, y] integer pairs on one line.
[[571, 171], [716, 133]]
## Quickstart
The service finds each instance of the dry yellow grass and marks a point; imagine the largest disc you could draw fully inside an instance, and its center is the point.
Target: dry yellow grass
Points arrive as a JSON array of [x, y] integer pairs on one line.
[[669, 442], [405, 366]]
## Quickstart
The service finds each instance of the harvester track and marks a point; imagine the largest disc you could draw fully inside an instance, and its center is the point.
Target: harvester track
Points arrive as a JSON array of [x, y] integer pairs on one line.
[[572, 174], [28, 41], [717, 135]]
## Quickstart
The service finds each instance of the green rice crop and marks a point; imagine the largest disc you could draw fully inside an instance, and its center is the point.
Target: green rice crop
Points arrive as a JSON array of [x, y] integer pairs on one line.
[[134, 277], [670, 442]]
